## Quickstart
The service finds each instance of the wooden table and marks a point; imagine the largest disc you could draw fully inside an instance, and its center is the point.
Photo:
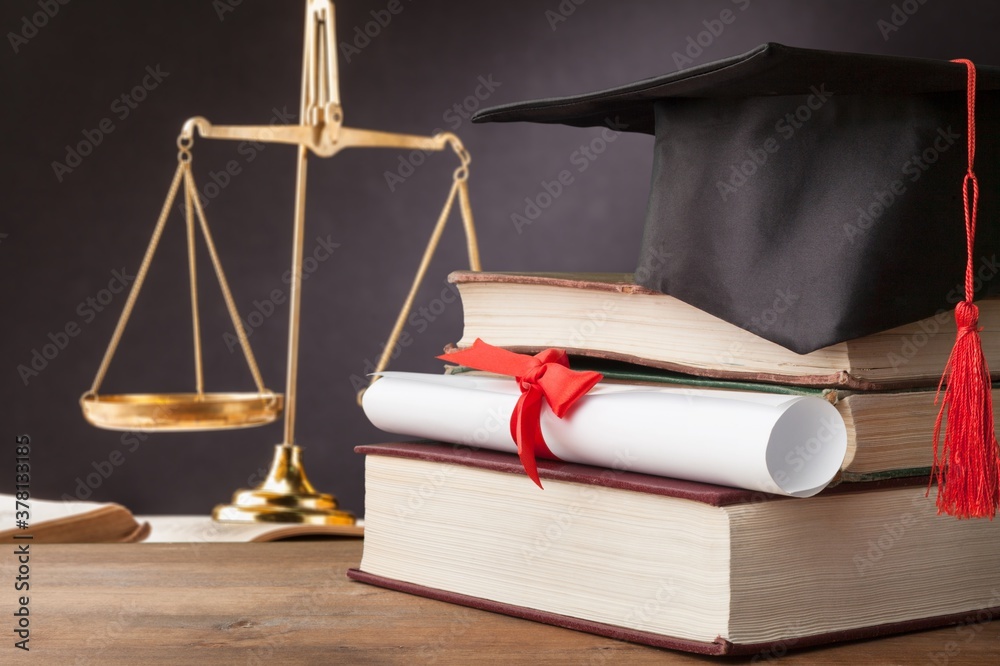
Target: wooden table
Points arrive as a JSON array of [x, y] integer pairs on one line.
[[290, 603]]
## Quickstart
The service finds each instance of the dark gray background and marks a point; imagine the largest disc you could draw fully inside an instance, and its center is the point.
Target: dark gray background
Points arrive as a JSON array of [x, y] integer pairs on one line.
[[64, 239]]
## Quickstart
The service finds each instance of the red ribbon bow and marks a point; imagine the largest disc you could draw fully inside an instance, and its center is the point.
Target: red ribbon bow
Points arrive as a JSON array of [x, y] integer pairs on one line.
[[543, 377]]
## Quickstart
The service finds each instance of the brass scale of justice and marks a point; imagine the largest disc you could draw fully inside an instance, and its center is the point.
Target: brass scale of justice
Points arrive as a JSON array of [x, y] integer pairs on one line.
[[286, 495]]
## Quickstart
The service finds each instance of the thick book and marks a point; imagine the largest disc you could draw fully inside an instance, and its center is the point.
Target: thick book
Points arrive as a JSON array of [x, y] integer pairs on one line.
[[671, 563], [605, 315]]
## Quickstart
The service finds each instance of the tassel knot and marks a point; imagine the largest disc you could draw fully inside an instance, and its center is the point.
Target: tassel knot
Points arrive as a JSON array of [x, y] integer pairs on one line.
[[967, 317]]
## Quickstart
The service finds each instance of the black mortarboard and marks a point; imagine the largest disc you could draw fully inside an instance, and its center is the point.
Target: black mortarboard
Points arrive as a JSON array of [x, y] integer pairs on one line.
[[808, 196]]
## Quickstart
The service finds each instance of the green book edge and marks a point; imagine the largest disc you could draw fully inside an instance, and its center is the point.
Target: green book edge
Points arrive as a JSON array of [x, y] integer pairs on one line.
[[860, 477], [624, 372]]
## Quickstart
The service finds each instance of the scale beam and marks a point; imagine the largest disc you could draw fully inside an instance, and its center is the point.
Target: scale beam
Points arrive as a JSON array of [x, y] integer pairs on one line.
[[323, 139]]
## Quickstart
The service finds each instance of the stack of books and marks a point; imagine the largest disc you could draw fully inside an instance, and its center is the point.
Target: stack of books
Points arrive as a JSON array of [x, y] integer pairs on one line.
[[759, 480], [682, 523]]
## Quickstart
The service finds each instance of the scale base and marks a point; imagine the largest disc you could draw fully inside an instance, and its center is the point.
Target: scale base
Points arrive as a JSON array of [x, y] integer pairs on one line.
[[286, 496]]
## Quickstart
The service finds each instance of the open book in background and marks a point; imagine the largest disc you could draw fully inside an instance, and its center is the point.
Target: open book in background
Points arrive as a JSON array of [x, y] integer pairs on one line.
[[96, 522], [202, 529], [71, 522]]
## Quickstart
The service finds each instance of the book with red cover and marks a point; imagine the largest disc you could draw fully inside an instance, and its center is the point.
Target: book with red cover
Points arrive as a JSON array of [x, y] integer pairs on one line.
[[669, 563]]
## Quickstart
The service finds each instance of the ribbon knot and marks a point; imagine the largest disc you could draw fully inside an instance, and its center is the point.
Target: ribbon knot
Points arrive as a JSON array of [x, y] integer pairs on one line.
[[533, 374], [544, 377]]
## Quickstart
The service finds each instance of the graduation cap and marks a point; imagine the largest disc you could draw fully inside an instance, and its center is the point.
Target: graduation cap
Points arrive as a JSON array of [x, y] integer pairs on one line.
[[829, 183]]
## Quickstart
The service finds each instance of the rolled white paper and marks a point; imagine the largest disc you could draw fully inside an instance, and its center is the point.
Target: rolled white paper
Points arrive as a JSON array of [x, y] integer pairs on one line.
[[783, 444]]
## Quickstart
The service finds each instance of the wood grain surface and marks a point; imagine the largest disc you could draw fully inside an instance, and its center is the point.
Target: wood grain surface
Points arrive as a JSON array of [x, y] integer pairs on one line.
[[290, 603]]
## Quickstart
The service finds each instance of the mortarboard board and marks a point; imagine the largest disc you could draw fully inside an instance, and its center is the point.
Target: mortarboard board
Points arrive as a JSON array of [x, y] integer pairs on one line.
[[828, 190], [822, 187]]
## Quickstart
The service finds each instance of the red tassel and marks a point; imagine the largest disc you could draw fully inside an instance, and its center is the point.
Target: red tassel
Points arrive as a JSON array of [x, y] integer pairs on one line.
[[967, 467]]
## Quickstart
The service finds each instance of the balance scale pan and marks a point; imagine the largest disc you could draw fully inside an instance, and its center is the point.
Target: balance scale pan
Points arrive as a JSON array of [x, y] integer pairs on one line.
[[180, 412]]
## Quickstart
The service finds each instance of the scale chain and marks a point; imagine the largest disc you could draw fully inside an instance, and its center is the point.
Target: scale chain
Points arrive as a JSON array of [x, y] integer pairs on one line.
[[140, 277], [199, 379], [459, 188], [224, 285], [193, 209]]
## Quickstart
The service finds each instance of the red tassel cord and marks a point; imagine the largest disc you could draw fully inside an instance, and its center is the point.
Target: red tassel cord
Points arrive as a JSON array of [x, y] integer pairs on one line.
[[967, 465]]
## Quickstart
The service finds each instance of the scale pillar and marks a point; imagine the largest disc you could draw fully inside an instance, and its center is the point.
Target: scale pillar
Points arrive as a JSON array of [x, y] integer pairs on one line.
[[286, 495]]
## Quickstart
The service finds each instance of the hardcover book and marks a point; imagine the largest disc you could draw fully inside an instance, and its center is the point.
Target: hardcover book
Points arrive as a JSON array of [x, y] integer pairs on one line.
[[669, 563], [605, 315]]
